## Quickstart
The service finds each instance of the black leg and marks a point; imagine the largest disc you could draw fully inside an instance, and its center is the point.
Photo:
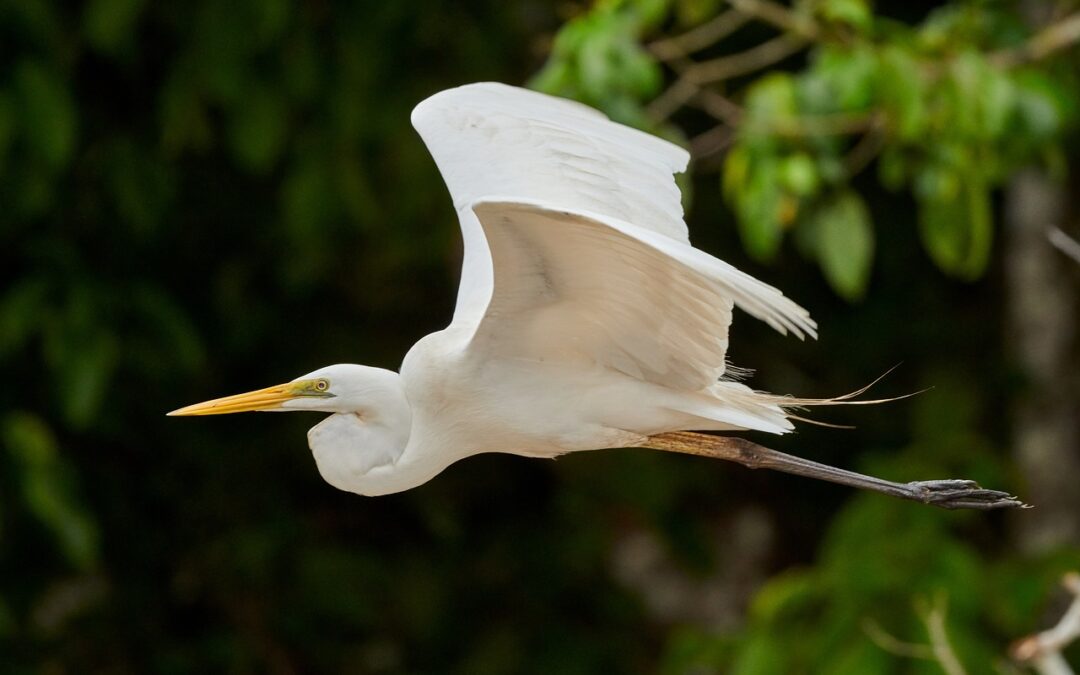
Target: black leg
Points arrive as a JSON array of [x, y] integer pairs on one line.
[[948, 494]]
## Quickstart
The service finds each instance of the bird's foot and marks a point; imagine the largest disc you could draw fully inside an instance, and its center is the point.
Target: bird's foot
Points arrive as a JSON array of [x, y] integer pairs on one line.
[[963, 494]]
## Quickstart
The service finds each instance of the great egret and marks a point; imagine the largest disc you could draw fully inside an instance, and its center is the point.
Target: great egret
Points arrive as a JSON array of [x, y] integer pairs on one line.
[[584, 320]]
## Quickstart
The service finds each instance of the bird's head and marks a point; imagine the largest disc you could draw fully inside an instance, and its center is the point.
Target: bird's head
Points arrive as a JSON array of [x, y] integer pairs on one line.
[[341, 388], [370, 429]]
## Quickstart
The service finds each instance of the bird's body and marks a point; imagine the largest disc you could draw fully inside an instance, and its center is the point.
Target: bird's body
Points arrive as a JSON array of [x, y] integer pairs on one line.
[[585, 319]]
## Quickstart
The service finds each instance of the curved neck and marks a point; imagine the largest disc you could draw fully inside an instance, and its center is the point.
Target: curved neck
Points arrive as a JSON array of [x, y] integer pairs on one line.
[[371, 448]]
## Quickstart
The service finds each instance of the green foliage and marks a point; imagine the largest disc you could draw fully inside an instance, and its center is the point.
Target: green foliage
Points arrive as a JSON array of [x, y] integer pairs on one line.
[[47, 490], [944, 104], [598, 58], [205, 197], [841, 230]]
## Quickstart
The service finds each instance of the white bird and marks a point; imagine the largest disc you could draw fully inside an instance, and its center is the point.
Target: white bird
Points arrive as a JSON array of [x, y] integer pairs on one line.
[[584, 320]]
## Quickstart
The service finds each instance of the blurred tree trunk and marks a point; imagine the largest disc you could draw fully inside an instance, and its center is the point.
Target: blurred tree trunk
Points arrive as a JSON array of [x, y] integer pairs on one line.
[[1043, 300]]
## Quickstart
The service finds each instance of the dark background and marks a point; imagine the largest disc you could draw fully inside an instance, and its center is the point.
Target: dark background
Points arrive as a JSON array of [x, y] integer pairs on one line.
[[203, 198]]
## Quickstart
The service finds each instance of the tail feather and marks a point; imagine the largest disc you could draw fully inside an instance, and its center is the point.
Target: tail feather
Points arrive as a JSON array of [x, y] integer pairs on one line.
[[732, 405]]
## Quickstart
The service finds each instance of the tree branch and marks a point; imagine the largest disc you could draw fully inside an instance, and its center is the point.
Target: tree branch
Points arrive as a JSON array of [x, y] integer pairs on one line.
[[1043, 650], [1059, 35], [745, 62], [700, 37], [1064, 243], [934, 619], [894, 645], [948, 494], [779, 16]]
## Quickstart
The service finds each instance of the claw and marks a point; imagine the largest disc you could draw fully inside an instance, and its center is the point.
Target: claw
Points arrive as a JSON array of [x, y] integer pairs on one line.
[[960, 494]]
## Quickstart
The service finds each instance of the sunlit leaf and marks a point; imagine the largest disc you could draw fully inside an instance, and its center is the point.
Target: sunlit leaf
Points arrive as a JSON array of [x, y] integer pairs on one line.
[[771, 99], [902, 92], [691, 12], [838, 79], [759, 206], [763, 654], [853, 12], [845, 243], [799, 174], [791, 592], [1042, 107]]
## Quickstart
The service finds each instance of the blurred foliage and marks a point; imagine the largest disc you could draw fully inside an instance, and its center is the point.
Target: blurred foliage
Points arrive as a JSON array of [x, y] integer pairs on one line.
[[950, 107], [205, 197], [946, 108]]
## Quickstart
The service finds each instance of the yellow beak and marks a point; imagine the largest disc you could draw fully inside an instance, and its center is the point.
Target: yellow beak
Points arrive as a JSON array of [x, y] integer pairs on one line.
[[270, 398]]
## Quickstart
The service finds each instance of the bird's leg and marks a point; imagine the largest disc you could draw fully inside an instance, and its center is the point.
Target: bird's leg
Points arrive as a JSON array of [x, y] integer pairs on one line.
[[949, 494]]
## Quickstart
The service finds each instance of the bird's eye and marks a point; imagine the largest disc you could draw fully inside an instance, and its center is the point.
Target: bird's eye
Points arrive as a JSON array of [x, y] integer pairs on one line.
[[321, 385]]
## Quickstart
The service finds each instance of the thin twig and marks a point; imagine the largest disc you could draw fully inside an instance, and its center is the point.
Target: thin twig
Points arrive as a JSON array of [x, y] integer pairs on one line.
[[1064, 243], [1059, 35], [1043, 650], [779, 16], [699, 37], [894, 645], [866, 149], [711, 142], [745, 62], [833, 124], [673, 98], [939, 639], [719, 106]]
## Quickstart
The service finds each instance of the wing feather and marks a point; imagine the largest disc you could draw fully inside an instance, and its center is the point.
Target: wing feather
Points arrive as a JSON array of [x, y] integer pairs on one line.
[[575, 244], [575, 285], [493, 139]]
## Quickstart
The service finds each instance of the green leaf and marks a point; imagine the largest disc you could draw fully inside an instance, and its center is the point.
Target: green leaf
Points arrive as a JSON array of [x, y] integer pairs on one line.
[[47, 113], [845, 243], [257, 126], [762, 654], [855, 13], [85, 376], [759, 207], [693, 12], [789, 592], [893, 168], [22, 311], [110, 24], [901, 89], [982, 97], [839, 79], [736, 170], [799, 174], [956, 226], [771, 98], [47, 488], [1042, 105]]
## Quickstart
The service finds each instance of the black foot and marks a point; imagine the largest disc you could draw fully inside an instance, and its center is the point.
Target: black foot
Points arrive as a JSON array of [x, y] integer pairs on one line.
[[962, 494]]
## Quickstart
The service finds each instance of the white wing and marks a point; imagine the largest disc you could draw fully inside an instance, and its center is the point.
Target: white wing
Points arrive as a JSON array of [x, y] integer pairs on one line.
[[577, 284], [494, 139], [575, 246]]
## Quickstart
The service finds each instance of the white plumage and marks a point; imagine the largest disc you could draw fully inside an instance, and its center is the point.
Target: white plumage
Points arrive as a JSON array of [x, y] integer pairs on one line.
[[585, 319]]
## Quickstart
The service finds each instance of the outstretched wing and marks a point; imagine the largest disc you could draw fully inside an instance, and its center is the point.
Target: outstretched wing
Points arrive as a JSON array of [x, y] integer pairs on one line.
[[572, 285], [575, 246], [494, 139]]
